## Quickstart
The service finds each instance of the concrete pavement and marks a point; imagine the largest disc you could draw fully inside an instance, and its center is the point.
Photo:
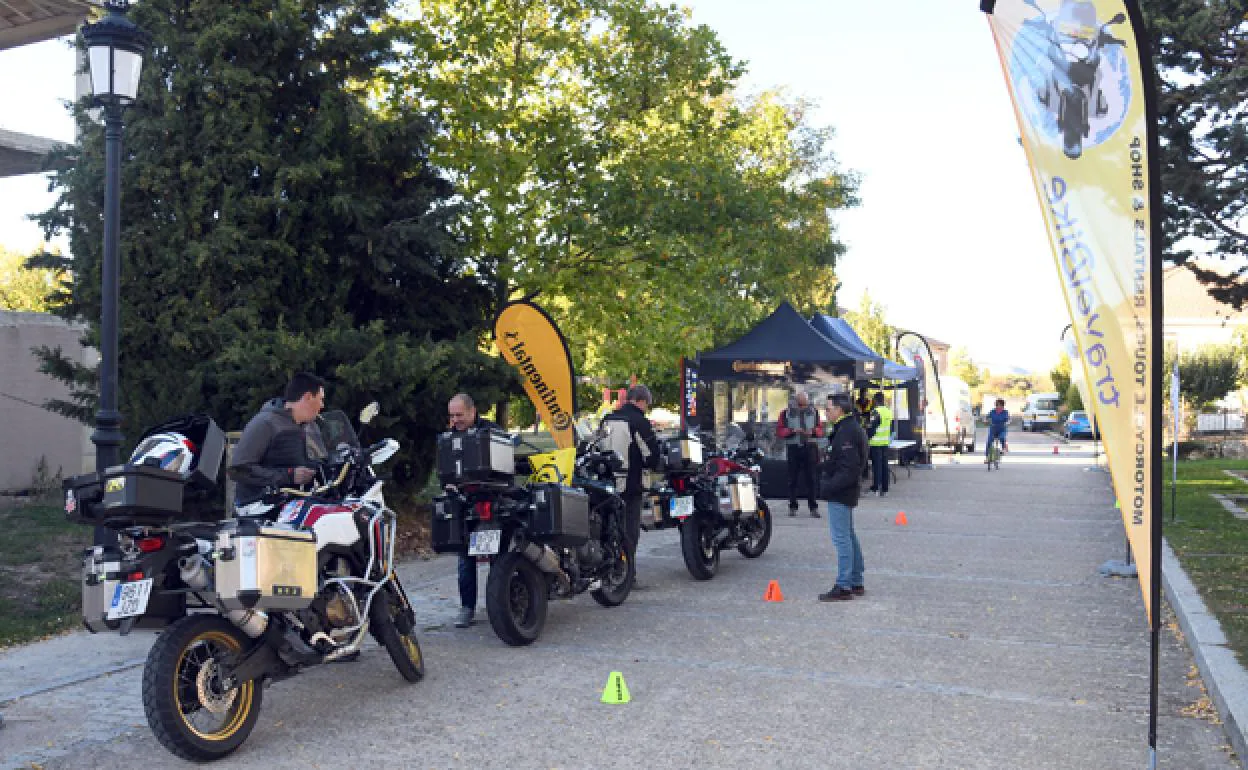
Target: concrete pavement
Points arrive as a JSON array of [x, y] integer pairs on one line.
[[986, 640]]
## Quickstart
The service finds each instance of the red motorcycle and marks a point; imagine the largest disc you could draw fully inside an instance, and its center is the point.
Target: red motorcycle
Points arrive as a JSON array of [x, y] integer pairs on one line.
[[714, 502]]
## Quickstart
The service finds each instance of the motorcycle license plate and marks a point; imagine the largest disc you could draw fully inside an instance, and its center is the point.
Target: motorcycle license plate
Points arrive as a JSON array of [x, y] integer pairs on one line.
[[484, 542], [682, 507], [130, 599]]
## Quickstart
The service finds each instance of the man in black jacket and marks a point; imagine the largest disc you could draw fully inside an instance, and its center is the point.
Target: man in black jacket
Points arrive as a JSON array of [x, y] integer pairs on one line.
[[282, 445], [629, 426], [839, 485], [462, 416]]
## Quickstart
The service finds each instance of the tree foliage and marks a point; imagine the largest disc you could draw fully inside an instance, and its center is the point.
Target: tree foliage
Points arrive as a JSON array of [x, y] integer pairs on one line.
[[1061, 377], [961, 365], [26, 287], [1200, 48], [272, 221], [871, 323], [607, 163], [1209, 373]]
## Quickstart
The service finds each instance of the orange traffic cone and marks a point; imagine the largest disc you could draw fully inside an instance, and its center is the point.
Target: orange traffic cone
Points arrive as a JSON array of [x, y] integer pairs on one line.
[[773, 593], [901, 519], [1055, 449]]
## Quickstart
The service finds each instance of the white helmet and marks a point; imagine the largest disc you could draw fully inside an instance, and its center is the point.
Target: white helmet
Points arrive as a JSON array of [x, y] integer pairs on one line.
[[169, 451]]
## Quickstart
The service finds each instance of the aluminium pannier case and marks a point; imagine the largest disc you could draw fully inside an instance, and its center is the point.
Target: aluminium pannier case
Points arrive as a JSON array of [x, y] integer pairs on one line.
[[446, 525], [265, 568], [560, 515], [736, 495], [483, 454], [683, 453]]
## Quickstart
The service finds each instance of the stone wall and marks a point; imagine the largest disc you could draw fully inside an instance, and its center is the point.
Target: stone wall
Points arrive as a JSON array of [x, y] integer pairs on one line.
[[28, 432]]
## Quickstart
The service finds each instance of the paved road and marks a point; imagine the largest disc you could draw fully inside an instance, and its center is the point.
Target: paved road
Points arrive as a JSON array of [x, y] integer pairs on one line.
[[987, 640]]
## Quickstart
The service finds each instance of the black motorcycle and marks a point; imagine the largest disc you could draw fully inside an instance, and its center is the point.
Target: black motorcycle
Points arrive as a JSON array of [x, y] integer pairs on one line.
[[544, 539], [713, 500], [1074, 47]]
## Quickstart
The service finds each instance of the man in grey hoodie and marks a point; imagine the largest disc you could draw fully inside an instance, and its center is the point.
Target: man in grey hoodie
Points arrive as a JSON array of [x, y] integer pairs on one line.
[[282, 445]]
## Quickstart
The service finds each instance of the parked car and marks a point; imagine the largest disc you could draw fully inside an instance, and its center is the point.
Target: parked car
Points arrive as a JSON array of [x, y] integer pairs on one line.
[[1040, 411], [1080, 425]]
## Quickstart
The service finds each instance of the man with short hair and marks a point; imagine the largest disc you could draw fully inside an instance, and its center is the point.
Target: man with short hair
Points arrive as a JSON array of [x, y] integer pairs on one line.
[[461, 412], [799, 425], [880, 438], [634, 430], [839, 485], [281, 445]]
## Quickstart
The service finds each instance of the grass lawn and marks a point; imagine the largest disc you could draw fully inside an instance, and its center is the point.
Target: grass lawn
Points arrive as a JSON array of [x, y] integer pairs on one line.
[[40, 565], [1211, 543]]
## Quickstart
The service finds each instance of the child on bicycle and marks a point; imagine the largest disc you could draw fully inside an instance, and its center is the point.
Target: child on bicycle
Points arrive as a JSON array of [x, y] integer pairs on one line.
[[998, 424]]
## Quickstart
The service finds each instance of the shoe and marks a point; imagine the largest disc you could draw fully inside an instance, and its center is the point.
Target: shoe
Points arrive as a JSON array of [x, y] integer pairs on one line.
[[814, 514], [874, 490], [464, 618], [792, 511], [882, 494], [837, 594], [858, 590]]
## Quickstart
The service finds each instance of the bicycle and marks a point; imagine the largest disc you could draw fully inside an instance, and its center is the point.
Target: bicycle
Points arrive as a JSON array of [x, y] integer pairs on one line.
[[993, 459]]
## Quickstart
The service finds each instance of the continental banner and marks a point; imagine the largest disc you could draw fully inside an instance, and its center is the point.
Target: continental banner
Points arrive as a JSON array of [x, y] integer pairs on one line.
[[1083, 103], [530, 341]]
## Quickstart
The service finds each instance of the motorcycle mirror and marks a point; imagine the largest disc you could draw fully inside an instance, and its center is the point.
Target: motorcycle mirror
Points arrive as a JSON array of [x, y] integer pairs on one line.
[[369, 412], [1118, 18]]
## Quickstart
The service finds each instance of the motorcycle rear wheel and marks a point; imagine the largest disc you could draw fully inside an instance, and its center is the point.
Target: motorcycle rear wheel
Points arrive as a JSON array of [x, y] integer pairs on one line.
[[753, 547], [697, 545], [388, 618], [515, 598], [618, 583], [187, 709]]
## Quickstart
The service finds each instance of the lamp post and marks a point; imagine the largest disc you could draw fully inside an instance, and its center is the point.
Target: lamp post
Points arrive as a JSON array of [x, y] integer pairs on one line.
[[115, 55]]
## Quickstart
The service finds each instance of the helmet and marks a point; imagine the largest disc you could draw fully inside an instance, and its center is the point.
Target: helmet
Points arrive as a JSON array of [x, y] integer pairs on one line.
[[169, 451]]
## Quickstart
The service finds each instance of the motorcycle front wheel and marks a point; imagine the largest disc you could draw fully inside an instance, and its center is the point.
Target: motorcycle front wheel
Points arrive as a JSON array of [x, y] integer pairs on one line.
[[697, 545], [618, 577], [759, 535], [388, 619], [515, 598], [190, 711]]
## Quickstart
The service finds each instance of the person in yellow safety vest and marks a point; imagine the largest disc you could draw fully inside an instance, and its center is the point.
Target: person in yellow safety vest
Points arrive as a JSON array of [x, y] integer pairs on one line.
[[879, 441]]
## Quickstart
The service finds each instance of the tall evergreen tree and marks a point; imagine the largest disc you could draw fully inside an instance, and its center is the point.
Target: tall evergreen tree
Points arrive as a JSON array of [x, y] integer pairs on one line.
[[1200, 48], [272, 221]]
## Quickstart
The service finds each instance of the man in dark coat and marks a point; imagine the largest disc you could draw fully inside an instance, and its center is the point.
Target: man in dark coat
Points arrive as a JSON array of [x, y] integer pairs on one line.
[[629, 426], [839, 476], [462, 416], [799, 426]]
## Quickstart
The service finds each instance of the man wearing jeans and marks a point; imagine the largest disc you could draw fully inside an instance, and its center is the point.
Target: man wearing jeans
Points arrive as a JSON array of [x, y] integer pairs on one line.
[[838, 484]]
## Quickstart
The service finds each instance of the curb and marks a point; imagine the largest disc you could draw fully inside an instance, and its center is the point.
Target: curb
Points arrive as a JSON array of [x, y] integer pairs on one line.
[[1225, 678]]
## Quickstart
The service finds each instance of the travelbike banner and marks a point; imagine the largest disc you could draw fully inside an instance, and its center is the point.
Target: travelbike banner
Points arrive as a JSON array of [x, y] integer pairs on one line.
[[1082, 87], [530, 341]]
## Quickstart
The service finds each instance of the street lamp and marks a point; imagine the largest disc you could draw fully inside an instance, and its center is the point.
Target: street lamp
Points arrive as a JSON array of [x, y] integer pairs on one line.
[[115, 54]]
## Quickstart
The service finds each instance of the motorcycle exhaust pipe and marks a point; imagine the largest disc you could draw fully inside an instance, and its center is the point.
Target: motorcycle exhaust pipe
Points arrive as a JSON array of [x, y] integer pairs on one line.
[[547, 561], [196, 573]]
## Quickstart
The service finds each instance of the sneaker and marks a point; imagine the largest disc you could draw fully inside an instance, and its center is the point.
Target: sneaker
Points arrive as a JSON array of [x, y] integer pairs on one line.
[[858, 590], [882, 494], [874, 489], [837, 594], [464, 619], [814, 514], [792, 511]]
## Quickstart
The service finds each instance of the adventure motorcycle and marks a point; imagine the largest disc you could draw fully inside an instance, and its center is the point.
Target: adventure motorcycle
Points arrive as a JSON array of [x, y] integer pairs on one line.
[[295, 581], [1074, 46], [715, 503], [545, 540]]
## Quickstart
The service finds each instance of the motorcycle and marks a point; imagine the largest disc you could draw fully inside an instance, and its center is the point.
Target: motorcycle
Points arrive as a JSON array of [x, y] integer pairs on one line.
[[1074, 47], [713, 502], [297, 580], [552, 538]]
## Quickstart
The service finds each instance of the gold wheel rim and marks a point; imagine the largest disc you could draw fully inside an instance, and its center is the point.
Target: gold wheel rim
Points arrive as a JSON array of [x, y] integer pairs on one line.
[[241, 707]]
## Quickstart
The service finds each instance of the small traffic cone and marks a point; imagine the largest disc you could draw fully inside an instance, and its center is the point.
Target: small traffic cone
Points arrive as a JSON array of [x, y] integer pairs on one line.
[[901, 519], [773, 593], [615, 691], [1055, 449]]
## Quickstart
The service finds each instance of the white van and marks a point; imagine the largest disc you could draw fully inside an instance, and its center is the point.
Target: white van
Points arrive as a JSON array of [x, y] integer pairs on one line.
[[960, 433], [1040, 411]]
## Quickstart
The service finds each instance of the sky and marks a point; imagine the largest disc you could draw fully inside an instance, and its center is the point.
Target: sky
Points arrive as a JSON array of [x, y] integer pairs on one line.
[[949, 236]]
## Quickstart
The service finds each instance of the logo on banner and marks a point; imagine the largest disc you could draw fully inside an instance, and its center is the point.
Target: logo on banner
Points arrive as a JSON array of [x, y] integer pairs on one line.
[[1071, 75]]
